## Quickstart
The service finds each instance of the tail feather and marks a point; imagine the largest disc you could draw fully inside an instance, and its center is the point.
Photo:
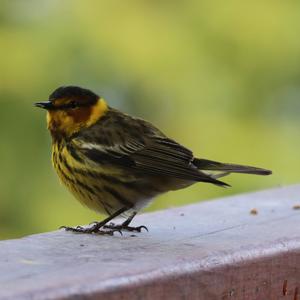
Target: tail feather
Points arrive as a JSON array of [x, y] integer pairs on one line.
[[205, 164], [213, 179]]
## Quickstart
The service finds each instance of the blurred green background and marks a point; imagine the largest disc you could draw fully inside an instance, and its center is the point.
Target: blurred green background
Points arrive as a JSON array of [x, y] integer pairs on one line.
[[221, 77]]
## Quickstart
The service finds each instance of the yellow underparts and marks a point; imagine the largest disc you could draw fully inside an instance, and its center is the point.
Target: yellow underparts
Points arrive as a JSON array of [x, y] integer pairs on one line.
[[68, 122]]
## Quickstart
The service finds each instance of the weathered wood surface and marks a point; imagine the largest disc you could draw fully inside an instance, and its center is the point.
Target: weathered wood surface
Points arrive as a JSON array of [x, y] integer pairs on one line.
[[212, 250]]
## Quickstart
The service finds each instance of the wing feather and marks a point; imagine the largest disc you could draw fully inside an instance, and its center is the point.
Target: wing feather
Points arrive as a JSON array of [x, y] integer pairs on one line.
[[153, 154], [156, 158]]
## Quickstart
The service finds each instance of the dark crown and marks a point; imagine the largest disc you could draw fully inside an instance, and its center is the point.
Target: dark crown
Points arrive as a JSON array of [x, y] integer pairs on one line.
[[72, 92]]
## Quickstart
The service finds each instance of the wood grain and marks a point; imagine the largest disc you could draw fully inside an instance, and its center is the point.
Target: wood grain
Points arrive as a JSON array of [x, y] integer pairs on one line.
[[213, 250]]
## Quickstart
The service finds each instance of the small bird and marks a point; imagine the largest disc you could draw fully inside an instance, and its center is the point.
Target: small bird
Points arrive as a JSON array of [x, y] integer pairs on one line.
[[115, 163]]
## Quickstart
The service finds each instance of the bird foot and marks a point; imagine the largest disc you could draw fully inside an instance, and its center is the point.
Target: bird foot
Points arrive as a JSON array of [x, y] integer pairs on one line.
[[95, 229], [121, 227]]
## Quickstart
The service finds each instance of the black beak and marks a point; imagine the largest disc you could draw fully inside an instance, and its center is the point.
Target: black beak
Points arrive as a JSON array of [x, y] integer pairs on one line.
[[44, 104]]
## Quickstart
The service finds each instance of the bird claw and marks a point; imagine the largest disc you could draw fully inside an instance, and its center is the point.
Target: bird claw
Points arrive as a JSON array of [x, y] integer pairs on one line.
[[91, 230], [109, 232], [127, 228], [142, 227]]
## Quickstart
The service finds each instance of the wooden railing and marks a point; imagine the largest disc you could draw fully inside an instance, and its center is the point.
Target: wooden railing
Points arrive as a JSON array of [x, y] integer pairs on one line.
[[241, 247]]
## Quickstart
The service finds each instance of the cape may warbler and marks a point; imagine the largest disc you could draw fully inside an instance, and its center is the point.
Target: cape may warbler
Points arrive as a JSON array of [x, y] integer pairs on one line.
[[115, 163]]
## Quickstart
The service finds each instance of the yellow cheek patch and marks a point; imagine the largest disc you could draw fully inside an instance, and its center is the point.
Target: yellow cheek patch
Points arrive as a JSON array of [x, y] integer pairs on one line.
[[59, 121], [69, 121]]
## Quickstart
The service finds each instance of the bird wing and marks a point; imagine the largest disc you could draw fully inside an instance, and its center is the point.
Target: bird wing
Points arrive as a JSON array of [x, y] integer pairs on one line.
[[150, 155]]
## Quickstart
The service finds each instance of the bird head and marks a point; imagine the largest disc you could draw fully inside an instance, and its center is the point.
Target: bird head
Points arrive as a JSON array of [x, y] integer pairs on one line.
[[71, 108]]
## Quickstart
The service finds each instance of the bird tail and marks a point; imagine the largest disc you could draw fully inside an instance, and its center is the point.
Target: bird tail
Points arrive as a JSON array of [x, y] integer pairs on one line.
[[210, 165]]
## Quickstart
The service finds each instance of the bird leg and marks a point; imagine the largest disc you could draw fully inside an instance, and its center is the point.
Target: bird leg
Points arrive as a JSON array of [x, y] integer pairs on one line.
[[125, 225], [96, 227]]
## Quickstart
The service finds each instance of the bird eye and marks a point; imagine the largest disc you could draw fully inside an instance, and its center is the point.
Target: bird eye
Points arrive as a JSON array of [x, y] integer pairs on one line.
[[73, 104]]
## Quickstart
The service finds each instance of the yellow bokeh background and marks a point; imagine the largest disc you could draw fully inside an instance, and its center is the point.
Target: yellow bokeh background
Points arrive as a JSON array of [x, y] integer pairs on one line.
[[221, 77]]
